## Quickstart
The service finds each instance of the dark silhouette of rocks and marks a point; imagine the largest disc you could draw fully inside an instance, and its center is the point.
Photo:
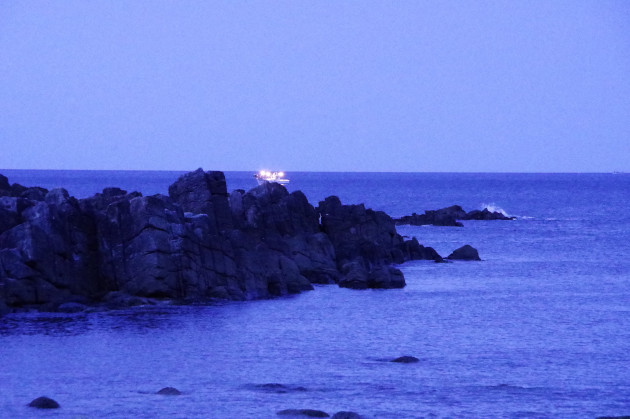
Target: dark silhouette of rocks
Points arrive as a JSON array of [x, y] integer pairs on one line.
[[449, 217], [199, 243], [406, 359], [443, 217], [169, 391], [346, 415], [487, 215], [279, 388], [366, 244], [303, 412], [465, 252], [44, 403]]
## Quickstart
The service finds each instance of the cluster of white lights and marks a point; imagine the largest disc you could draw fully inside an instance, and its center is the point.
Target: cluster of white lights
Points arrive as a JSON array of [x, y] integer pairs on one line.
[[266, 173]]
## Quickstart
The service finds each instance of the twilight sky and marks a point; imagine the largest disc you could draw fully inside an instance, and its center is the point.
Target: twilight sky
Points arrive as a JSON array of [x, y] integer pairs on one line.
[[480, 86]]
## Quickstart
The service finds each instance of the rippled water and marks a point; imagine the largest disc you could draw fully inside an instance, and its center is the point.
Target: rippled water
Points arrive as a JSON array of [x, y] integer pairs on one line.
[[539, 329]]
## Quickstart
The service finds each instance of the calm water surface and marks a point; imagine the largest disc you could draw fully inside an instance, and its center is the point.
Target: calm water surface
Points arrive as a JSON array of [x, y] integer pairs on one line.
[[539, 329]]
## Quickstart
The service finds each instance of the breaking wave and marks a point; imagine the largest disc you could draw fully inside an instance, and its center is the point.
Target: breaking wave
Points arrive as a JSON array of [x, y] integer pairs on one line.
[[492, 207]]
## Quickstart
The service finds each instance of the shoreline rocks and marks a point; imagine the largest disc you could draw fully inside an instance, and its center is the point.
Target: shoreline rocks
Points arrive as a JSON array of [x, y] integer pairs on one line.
[[197, 244]]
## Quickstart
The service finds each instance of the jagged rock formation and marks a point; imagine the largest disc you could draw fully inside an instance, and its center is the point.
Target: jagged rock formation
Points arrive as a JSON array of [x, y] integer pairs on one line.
[[449, 217], [196, 244]]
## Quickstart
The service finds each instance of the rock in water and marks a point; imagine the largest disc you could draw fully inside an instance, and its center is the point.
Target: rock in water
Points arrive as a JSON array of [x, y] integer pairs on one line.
[[465, 252], [169, 391], [44, 403], [304, 412], [406, 359], [346, 415]]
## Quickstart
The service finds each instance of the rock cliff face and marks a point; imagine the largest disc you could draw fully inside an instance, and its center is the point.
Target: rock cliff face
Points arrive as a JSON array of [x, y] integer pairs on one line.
[[196, 244]]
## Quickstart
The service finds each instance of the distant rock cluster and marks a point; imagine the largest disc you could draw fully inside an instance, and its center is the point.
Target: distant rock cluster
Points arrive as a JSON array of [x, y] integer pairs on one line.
[[449, 217], [196, 244]]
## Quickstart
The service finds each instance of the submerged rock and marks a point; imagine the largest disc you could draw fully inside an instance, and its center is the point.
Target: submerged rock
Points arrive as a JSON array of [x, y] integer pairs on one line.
[[44, 403], [406, 359], [465, 252], [279, 388], [303, 412], [346, 415], [169, 391]]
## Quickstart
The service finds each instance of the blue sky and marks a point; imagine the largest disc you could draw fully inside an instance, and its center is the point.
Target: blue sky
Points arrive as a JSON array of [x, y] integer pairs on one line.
[[472, 86]]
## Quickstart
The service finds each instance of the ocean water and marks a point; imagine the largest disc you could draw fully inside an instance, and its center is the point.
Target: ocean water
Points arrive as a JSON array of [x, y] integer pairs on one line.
[[539, 329]]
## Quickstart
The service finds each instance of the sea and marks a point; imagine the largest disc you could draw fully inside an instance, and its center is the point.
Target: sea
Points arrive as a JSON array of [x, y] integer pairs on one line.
[[540, 328]]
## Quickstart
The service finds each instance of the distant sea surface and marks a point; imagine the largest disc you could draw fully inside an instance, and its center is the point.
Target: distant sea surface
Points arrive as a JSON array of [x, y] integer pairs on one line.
[[539, 329]]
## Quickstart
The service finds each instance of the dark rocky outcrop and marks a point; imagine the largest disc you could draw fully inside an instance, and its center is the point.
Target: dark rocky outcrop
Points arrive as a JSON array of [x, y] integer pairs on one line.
[[406, 359], [279, 388], [44, 403], [346, 415], [196, 244], [443, 217], [310, 413], [487, 215], [465, 252], [366, 244], [449, 217], [169, 391]]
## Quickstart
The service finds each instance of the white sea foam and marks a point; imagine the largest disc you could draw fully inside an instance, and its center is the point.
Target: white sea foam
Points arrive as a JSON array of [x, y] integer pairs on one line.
[[492, 207]]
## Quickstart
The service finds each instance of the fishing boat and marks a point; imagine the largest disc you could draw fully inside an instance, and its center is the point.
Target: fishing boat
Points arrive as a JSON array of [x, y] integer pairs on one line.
[[268, 176]]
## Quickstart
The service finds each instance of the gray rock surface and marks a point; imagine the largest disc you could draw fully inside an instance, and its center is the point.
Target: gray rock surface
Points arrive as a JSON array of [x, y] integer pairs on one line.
[[196, 244]]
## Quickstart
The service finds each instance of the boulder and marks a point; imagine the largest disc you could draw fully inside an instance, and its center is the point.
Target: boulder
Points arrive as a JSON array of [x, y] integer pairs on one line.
[[44, 403], [346, 415], [169, 391], [465, 252], [412, 250], [279, 388], [406, 359], [310, 413]]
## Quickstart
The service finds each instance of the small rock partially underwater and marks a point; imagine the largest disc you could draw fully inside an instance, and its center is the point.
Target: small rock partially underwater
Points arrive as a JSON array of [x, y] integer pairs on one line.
[[44, 402], [169, 391], [466, 252]]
